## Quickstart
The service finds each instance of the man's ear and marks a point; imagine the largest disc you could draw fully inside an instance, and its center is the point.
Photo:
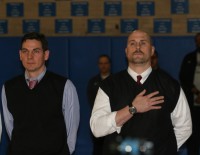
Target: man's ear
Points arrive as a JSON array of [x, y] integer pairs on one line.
[[153, 50], [46, 55], [126, 50], [20, 55]]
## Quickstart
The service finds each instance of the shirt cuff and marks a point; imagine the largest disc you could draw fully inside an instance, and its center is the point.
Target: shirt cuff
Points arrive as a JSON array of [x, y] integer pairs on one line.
[[112, 122]]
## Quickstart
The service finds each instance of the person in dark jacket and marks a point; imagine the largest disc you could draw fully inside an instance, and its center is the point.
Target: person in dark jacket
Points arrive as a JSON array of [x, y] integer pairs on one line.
[[141, 110], [190, 81], [104, 65]]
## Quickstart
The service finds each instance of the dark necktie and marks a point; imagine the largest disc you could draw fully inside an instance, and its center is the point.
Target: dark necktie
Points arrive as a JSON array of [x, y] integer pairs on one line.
[[32, 84], [139, 77]]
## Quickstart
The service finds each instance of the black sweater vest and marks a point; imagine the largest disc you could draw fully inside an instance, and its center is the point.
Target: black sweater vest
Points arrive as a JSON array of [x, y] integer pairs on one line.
[[154, 126], [39, 126]]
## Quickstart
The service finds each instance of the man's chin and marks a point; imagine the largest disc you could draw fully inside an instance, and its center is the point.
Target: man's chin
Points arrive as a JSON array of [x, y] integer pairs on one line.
[[30, 70], [138, 61]]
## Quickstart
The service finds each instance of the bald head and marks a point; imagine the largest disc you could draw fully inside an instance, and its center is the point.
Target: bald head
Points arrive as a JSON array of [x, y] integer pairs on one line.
[[140, 33]]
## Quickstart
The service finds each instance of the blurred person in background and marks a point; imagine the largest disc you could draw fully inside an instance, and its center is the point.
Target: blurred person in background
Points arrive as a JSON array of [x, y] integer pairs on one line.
[[104, 66], [190, 81]]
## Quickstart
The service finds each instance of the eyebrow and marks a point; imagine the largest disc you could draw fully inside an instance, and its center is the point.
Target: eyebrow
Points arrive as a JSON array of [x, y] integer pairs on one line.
[[139, 41], [32, 49]]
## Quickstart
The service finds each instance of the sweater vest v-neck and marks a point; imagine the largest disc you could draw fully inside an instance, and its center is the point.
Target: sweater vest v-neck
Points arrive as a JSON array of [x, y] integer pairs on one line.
[[39, 126], [154, 126]]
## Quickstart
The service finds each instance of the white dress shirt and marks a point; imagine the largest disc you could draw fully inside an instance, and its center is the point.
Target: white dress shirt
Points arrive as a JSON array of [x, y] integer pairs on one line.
[[102, 121]]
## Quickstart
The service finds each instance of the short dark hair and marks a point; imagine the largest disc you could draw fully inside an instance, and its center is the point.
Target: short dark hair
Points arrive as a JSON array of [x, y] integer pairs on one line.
[[104, 56], [37, 36]]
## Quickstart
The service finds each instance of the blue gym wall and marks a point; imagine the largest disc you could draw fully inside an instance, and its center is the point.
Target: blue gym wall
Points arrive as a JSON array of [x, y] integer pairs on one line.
[[76, 58]]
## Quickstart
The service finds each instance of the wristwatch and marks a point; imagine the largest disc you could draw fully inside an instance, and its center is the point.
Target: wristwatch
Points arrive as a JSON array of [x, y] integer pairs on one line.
[[132, 110]]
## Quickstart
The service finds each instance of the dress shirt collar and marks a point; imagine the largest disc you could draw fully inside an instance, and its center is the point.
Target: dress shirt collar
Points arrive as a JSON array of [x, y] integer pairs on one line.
[[104, 76], [144, 75], [38, 78]]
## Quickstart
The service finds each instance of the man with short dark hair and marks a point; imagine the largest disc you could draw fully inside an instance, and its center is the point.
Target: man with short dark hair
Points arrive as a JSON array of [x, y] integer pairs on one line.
[[41, 108], [104, 66]]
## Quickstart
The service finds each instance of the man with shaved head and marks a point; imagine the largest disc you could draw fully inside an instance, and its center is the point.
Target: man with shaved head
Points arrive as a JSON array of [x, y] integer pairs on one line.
[[140, 110]]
